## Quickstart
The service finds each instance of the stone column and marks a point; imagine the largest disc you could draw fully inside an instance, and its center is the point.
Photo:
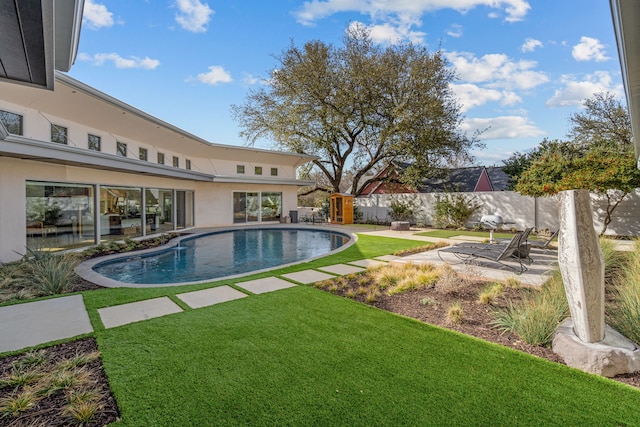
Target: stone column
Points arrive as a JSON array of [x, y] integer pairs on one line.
[[581, 264]]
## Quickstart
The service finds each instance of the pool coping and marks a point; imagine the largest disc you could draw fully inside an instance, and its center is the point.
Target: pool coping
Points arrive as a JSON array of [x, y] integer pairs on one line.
[[85, 269]]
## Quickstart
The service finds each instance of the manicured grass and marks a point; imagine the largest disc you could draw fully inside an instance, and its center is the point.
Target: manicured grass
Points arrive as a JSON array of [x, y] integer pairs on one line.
[[453, 233], [366, 247], [300, 356]]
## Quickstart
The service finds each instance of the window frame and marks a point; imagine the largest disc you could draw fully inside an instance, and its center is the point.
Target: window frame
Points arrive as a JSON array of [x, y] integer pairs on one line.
[[89, 143], [143, 154], [161, 159], [176, 161], [20, 117], [121, 149], [59, 130], [274, 171], [257, 170], [240, 169]]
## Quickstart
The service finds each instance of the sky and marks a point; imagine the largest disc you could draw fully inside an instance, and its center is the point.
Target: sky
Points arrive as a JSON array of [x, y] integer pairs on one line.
[[523, 67]]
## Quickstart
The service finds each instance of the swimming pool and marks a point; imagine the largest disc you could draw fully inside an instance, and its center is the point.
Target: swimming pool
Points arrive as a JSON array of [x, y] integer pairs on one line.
[[221, 254]]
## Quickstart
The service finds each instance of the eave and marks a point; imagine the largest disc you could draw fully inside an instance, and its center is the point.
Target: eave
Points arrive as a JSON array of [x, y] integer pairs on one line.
[[38, 37], [626, 25]]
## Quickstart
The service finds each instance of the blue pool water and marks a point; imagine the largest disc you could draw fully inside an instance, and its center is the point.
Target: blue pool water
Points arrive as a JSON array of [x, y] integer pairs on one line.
[[223, 254]]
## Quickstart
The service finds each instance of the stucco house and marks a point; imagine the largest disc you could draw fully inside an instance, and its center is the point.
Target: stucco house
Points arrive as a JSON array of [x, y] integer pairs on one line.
[[78, 167]]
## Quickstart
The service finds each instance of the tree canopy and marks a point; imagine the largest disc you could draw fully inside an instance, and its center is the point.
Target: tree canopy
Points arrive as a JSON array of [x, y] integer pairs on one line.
[[600, 157], [359, 107]]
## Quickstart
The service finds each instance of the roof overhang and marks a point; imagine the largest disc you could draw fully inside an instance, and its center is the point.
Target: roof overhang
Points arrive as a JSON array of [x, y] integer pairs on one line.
[[38, 37], [626, 24]]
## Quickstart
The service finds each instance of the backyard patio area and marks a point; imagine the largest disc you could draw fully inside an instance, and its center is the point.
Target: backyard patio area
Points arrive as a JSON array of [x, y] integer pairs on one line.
[[296, 355]]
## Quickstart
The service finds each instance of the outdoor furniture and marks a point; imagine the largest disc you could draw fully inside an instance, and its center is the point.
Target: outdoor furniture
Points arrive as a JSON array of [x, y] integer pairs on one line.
[[522, 251], [543, 244], [495, 252]]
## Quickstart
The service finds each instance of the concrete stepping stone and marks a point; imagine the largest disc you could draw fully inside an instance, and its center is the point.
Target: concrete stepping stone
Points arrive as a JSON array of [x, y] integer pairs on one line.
[[33, 323], [341, 269], [366, 263], [268, 284], [308, 276], [211, 296], [388, 257], [123, 314]]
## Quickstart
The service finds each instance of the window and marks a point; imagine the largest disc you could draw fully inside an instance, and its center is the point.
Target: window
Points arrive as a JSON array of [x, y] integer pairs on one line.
[[161, 158], [121, 149], [258, 170], [94, 142], [240, 169], [120, 212], [274, 171], [12, 122], [255, 207], [59, 215], [176, 162], [188, 164], [58, 134], [143, 153]]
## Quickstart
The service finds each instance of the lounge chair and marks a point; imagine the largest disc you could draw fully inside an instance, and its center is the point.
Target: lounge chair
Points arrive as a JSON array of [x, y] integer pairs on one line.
[[544, 244], [522, 251], [493, 252]]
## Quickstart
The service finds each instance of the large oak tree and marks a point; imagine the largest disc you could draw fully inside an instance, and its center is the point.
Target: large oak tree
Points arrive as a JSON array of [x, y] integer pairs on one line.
[[359, 107]]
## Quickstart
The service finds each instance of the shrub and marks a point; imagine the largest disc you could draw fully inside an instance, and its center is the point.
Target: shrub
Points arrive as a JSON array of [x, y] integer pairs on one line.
[[449, 281], [453, 210], [49, 274], [624, 312], [455, 313], [490, 293], [614, 260], [402, 210], [535, 318], [415, 279], [427, 301]]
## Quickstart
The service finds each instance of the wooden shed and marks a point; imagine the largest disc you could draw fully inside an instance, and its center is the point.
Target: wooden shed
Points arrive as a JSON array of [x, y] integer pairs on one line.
[[341, 208]]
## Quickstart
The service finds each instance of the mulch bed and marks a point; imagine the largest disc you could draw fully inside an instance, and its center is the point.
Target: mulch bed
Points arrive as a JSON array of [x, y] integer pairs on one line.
[[47, 411], [476, 320]]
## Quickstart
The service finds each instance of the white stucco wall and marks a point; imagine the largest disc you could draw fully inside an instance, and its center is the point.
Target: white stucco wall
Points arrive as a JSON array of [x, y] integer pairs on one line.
[[37, 125], [213, 201], [521, 211]]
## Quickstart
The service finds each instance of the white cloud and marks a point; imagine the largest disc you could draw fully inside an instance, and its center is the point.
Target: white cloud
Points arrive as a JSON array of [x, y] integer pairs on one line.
[[470, 95], [497, 70], [589, 49], [120, 62], [215, 75], [455, 30], [393, 32], [96, 16], [194, 15], [502, 127], [530, 45], [314, 10], [576, 91]]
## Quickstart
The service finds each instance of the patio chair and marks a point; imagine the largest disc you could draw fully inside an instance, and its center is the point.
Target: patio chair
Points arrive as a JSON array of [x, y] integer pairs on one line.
[[522, 251], [495, 252], [543, 244]]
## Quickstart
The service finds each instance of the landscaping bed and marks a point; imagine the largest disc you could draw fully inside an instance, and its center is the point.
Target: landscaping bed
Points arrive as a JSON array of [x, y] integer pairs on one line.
[[58, 386], [431, 303]]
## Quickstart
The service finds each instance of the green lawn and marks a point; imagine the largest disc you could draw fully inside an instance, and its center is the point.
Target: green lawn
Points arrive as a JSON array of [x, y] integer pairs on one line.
[[300, 356], [453, 233]]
